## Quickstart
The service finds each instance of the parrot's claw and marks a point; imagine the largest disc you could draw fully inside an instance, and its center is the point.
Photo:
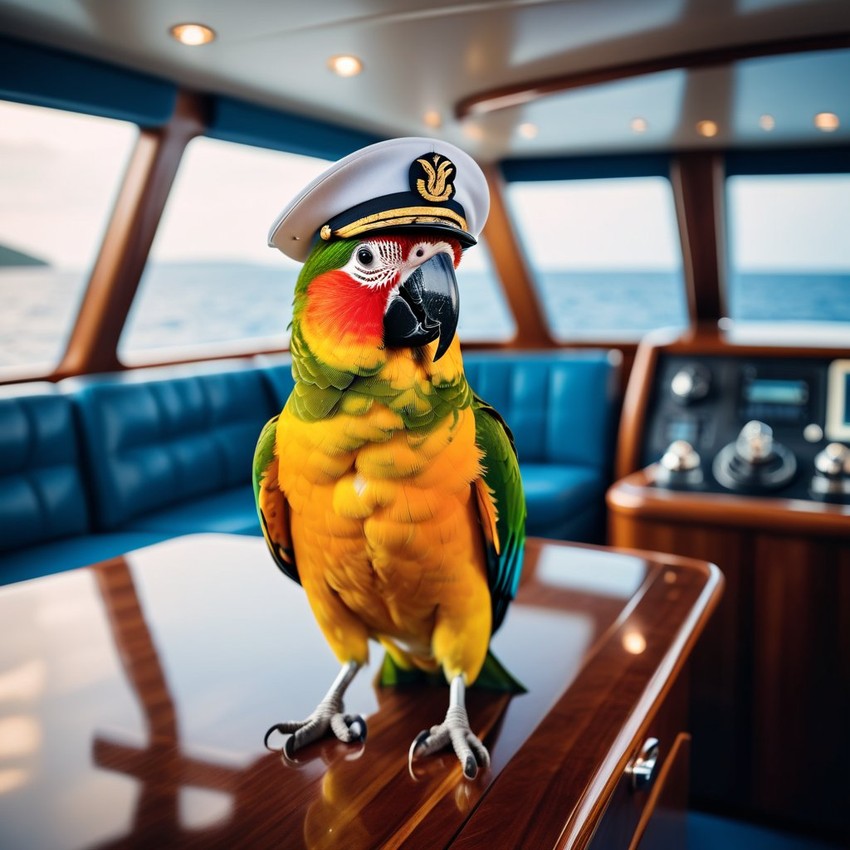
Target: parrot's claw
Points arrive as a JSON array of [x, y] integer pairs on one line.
[[328, 716], [347, 728], [454, 731]]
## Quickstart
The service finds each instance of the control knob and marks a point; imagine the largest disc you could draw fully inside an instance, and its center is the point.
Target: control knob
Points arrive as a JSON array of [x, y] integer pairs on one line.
[[832, 472], [679, 466], [755, 462], [691, 383]]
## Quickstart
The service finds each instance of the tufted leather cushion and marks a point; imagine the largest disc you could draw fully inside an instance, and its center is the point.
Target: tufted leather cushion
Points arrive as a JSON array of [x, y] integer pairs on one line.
[[162, 437], [276, 370], [41, 488], [559, 405]]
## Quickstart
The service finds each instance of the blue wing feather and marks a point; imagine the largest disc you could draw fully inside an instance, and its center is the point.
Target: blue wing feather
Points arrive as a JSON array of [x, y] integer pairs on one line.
[[501, 475]]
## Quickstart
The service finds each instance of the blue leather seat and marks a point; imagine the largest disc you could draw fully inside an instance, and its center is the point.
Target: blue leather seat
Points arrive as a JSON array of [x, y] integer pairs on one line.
[[170, 450], [562, 409], [45, 522]]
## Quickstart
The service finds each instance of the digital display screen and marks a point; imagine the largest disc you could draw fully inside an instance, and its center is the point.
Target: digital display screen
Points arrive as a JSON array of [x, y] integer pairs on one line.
[[773, 391]]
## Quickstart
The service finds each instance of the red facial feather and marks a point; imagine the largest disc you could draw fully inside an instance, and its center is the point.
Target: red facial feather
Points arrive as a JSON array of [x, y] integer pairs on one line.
[[339, 305], [342, 306]]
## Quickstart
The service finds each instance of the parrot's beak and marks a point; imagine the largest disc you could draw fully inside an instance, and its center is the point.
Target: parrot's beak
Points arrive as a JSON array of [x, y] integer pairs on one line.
[[424, 308]]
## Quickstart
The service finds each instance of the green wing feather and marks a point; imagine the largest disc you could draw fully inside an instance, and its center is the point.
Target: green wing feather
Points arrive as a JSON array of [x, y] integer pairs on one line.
[[272, 507], [501, 475]]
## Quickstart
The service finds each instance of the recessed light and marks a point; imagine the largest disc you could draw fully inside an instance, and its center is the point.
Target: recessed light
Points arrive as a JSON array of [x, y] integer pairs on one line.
[[432, 119], [528, 130], [345, 65], [473, 131], [827, 122], [639, 125], [192, 35], [767, 123], [707, 129]]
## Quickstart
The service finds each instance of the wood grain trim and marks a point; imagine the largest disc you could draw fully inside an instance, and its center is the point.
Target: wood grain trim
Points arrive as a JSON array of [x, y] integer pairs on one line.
[[634, 495], [577, 754], [115, 278], [531, 328], [505, 97], [682, 739], [697, 180], [579, 829]]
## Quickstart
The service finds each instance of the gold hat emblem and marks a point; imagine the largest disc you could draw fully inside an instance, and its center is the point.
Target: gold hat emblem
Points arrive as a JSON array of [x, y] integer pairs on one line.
[[432, 177]]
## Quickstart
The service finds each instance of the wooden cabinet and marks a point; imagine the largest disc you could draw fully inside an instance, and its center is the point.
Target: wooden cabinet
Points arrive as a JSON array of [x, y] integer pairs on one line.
[[770, 685]]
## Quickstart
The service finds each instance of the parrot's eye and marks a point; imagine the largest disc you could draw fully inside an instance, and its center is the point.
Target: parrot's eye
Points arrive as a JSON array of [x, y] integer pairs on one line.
[[420, 251], [365, 257]]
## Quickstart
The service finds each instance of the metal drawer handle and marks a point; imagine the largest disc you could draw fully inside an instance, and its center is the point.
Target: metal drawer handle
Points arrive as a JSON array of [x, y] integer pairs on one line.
[[642, 767]]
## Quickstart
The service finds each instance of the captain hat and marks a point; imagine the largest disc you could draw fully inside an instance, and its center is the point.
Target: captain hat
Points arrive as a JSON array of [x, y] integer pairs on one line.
[[399, 184]]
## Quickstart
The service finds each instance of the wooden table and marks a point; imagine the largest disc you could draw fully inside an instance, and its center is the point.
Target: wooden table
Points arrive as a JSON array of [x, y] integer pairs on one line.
[[134, 696]]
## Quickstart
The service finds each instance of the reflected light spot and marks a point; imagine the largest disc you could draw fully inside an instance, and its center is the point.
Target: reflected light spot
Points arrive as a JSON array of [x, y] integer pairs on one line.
[[12, 778], [634, 643], [670, 577], [432, 119], [193, 35], [24, 682], [345, 65], [708, 129], [19, 736], [827, 122], [201, 807], [767, 123], [528, 130], [639, 125]]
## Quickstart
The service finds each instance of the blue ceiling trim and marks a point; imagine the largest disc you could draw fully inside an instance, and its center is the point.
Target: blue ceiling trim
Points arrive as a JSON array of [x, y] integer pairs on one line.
[[47, 77], [237, 121], [797, 161], [586, 167]]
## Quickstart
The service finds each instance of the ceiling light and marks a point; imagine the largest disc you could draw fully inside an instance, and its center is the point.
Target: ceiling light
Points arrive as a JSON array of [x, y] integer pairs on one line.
[[345, 65], [528, 130], [827, 122], [473, 131], [707, 129], [767, 123], [639, 125], [432, 119], [192, 35]]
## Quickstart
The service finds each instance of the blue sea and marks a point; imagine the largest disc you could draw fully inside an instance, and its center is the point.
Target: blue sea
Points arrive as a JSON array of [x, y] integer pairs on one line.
[[195, 304]]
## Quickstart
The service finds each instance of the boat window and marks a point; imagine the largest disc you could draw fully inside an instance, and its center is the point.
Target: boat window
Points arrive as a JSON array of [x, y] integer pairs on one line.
[[484, 312], [60, 173], [605, 254], [789, 252], [211, 284]]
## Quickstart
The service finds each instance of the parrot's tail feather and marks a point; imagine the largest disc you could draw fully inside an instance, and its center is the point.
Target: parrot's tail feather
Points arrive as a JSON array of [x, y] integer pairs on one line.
[[494, 676]]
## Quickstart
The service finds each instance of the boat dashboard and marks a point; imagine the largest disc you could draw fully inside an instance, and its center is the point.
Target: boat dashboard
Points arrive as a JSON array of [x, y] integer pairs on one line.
[[751, 424]]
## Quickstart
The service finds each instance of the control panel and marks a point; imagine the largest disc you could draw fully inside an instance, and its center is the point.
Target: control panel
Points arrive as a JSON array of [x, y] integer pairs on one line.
[[751, 425]]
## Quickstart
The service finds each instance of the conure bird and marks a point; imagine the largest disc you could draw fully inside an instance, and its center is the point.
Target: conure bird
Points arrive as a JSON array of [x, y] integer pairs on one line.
[[386, 487]]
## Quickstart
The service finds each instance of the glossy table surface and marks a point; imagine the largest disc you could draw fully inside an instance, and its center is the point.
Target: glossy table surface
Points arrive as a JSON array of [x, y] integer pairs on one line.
[[134, 696]]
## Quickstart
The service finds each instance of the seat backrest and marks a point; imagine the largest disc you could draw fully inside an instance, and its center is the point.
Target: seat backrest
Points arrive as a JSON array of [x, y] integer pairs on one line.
[[276, 370], [561, 406], [155, 437], [41, 485]]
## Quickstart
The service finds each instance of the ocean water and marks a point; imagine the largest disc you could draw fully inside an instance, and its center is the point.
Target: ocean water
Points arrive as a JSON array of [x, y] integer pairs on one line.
[[204, 303]]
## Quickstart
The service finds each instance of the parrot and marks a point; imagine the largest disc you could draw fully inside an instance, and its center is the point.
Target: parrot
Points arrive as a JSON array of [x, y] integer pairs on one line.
[[387, 488]]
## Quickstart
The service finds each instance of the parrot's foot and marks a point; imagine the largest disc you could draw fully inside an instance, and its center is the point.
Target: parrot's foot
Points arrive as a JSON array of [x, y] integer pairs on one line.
[[327, 717], [454, 731]]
